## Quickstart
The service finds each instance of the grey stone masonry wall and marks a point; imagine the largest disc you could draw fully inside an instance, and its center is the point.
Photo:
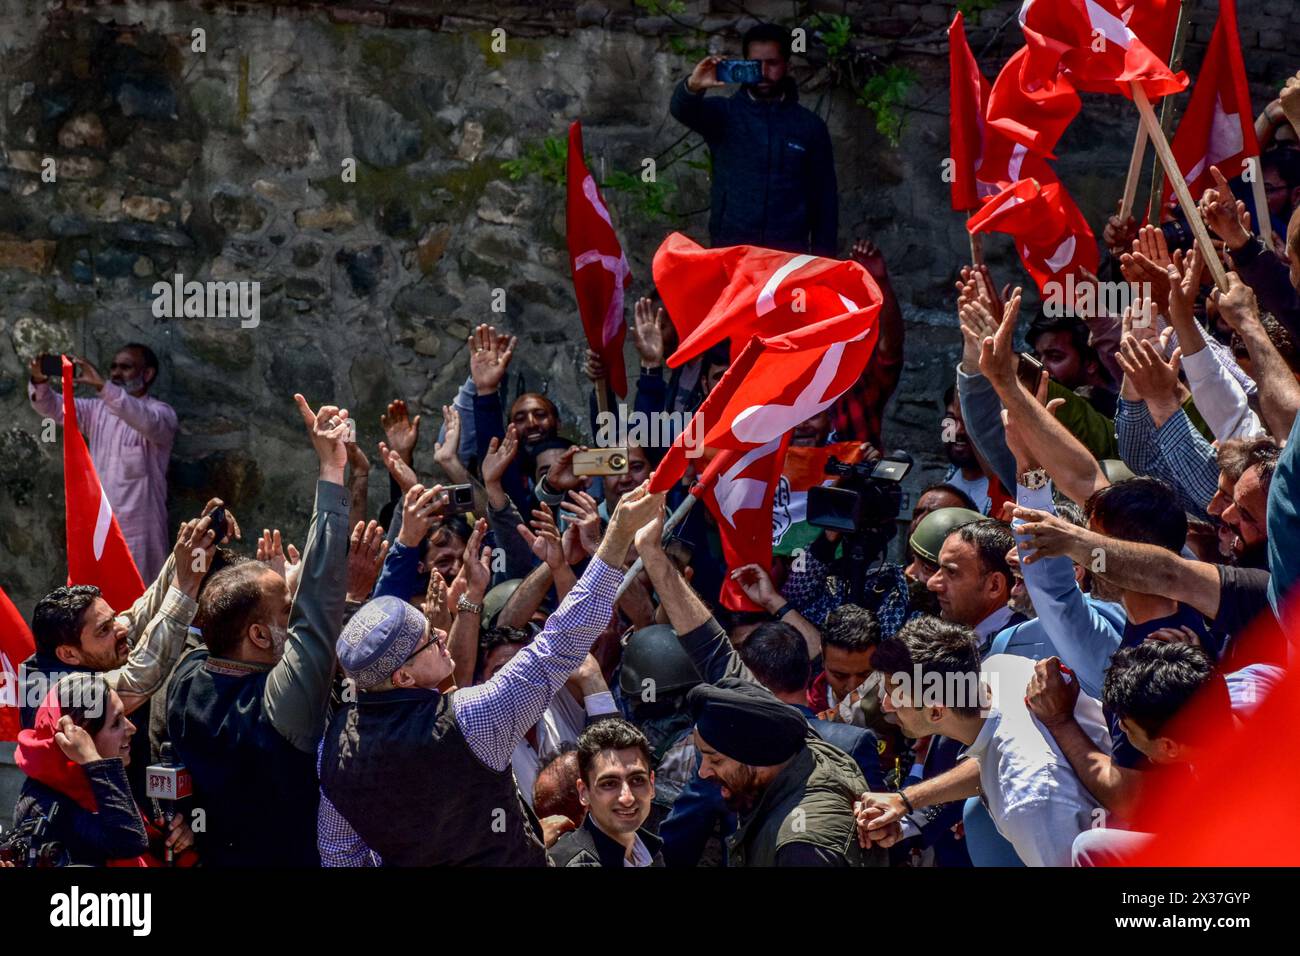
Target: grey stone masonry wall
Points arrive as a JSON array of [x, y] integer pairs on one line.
[[227, 165]]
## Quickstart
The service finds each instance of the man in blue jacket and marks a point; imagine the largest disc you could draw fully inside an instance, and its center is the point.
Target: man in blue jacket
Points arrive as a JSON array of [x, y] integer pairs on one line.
[[773, 170]]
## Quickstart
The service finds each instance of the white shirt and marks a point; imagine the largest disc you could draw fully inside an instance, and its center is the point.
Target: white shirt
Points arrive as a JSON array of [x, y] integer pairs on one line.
[[1035, 799], [640, 855]]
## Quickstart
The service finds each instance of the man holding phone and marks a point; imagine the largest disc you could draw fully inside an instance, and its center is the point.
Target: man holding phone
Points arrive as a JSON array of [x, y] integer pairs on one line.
[[130, 434], [773, 169]]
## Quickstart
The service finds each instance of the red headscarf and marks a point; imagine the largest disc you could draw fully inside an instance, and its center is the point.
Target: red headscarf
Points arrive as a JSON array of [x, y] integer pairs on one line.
[[40, 757]]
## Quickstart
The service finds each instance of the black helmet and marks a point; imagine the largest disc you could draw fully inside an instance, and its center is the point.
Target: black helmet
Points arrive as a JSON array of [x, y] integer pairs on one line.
[[654, 654]]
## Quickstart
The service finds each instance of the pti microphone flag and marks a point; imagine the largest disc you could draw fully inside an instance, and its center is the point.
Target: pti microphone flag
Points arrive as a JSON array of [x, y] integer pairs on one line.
[[97, 552], [968, 93], [1051, 234], [1092, 44], [739, 291], [16, 646], [1218, 126], [600, 270]]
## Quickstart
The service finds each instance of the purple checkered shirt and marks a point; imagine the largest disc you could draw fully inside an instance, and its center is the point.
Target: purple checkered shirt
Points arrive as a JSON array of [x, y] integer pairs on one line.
[[494, 716]]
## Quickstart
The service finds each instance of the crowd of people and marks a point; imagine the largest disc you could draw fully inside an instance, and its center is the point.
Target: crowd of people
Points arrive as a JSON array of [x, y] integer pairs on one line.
[[514, 664]]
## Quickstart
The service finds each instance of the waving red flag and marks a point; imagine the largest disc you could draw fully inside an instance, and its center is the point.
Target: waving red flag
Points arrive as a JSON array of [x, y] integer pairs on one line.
[[1028, 110], [1051, 235], [968, 93], [16, 646], [97, 552], [739, 291], [1090, 41], [1218, 127], [600, 270]]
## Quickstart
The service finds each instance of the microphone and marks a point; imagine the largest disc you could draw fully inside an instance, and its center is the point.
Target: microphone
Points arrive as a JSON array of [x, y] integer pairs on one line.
[[167, 782]]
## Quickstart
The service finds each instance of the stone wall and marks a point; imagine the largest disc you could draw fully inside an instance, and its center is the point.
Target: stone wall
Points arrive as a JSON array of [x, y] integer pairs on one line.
[[226, 164]]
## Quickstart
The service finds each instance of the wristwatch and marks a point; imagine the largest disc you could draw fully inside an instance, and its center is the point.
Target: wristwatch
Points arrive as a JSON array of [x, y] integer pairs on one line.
[[465, 604], [1034, 479]]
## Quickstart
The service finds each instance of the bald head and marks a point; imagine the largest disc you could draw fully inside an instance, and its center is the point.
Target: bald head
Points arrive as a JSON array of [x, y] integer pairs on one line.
[[556, 789]]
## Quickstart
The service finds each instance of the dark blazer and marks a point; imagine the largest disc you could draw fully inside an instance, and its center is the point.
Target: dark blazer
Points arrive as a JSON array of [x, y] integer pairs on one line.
[[589, 846]]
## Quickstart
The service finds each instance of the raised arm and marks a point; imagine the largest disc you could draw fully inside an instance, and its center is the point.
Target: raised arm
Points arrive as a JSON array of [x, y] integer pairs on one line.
[[156, 421], [494, 716], [1279, 393], [689, 104], [298, 687]]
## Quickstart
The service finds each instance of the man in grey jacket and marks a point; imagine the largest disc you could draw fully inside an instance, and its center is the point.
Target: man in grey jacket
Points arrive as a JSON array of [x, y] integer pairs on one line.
[[773, 169]]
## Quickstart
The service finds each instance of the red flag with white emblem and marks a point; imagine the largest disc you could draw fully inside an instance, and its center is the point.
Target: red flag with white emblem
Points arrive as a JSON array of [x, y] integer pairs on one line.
[[1033, 112], [16, 646], [1051, 234], [600, 270], [97, 552], [968, 92], [739, 291], [1091, 42], [1218, 127]]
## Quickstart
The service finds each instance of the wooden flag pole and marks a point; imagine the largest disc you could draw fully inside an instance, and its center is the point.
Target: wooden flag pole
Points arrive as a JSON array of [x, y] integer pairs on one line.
[[976, 247], [1262, 225], [1166, 154], [1134, 172], [602, 396], [1167, 114]]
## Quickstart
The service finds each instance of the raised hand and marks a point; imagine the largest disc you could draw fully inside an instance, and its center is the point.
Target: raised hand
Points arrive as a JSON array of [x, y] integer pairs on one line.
[[758, 587], [1238, 304], [366, 552], [357, 460], [647, 333], [560, 476], [397, 467], [1146, 265], [476, 564], [1155, 379], [446, 453], [1139, 320], [1224, 213], [1119, 233], [195, 545], [593, 367], [87, 374], [648, 535], [704, 76], [437, 603], [75, 742], [544, 538], [582, 536], [868, 255], [1289, 100], [997, 355], [501, 452], [977, 323], [1184, 274], [327, 428], [401, 430], [270, 550], [489, 358], [419, 509]]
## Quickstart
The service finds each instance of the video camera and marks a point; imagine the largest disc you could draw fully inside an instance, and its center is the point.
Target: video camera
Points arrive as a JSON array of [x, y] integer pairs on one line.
[[26, 844]]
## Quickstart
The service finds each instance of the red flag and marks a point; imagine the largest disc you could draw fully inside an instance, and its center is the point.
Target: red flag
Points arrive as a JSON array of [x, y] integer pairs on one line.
[[1028, 110], [968, 93], [1243, 771], [97, 552], [1090, 41], [16, 646], [600, 270], [1218, 127], [1051, 235], [739, 291]]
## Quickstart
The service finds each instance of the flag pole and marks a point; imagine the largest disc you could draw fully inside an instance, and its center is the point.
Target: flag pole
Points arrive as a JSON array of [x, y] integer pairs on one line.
[[672, 522], [1167, 114], [1134, 172], [1184, 194], [1262, 225], [976, 244], [602, 397]]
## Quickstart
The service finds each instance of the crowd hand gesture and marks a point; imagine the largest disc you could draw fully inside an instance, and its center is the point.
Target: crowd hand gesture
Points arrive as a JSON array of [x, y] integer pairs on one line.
[[593, 367], [544, 538], [195, 545], [1289, 99], [1224, 213], [1052, 692], [1238, 305], [977, 323], [75, 742], [582, 536], [1184, 274], [560, 476], [1144, 365], [401, 472], [326, 427], [647, 332], [997, 359], [446, 453], [366, 553], [1045, 535], [638, 511], [357, 460], [704, 76], [1146, 266], [437, 603], [476, 564], [401, 430], [1176, 635], [758, 587], [587, 680], [271, 550], [489, 357], [868, 255], [1119, 233], [501, 452], [1139, 320], [419, 509], [1013, 427], [879, 819]]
